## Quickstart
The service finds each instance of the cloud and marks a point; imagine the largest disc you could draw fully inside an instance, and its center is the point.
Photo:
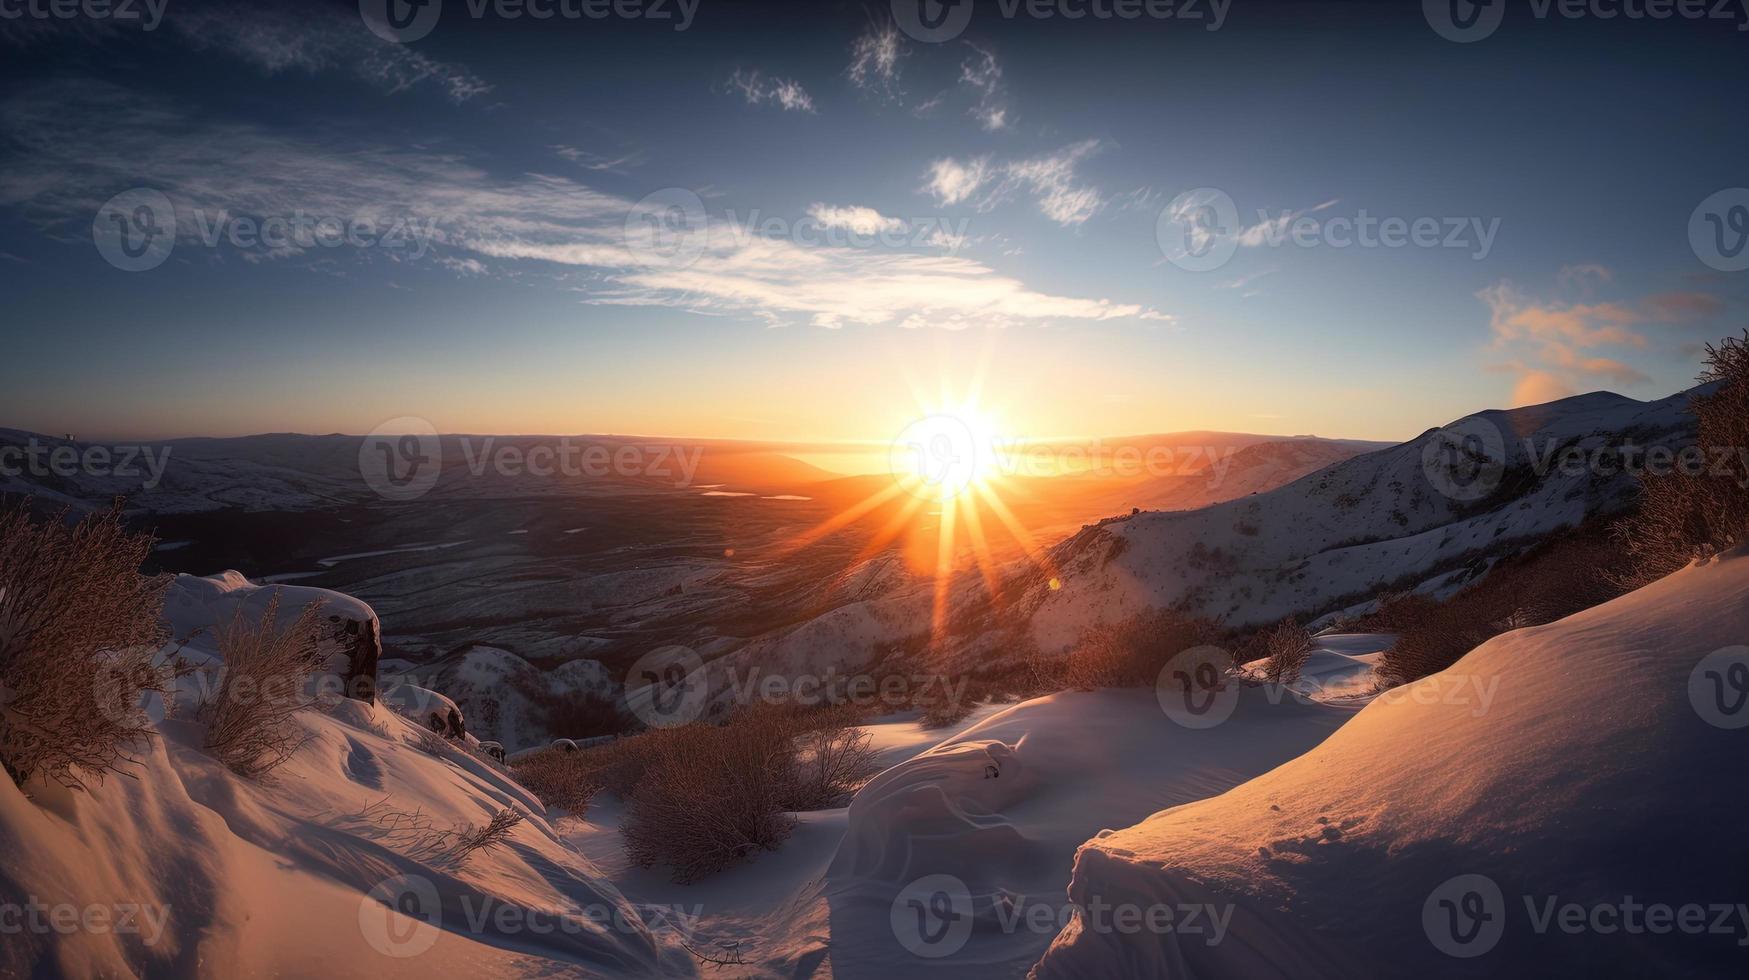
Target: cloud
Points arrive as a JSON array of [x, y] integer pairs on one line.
[[874, 59], [1557, 341], [1584, 277], [1678, 306], [1050, 180], [77, 144], [860, 220], [598, 162], [1270, 231], [953, 182], [758, 89], [983, 75], [1539, 387], [275, 39], [776, 278]]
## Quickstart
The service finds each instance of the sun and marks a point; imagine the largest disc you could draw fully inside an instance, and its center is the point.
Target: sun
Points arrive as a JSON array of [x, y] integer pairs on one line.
[[945, 498], [946, 454]]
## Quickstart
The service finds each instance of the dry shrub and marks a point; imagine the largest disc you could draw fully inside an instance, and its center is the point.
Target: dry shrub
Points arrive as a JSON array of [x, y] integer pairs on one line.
[[1567, 573], [833, 757], [262, 685], [1132, 653], [1287, 646], [710, 797], [79, 643], [567, 780], [1687, 513]]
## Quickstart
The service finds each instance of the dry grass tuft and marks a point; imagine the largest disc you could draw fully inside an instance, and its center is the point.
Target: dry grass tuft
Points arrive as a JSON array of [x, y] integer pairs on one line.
[[263, 684]]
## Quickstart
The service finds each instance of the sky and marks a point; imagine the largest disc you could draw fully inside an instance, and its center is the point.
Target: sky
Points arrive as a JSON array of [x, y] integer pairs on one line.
[[817, 221]]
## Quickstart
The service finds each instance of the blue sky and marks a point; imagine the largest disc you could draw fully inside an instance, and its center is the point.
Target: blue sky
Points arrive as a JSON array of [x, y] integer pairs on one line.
[[1005, 188]]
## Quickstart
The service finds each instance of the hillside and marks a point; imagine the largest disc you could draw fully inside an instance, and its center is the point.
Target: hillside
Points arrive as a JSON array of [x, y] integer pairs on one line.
[[1398, 518], [1579, 764]]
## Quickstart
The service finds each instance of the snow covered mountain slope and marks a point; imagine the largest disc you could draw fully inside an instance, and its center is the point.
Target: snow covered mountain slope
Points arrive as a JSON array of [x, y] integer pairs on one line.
[[1565, 800], [1414, 515], [336, 866], [506, 699]]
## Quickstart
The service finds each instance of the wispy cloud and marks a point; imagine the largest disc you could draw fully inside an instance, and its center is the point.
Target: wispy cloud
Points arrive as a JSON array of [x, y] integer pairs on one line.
[[1050, 180], [758, 89], [983, 75], [80, 143], [874, 59], [599, 162], [276, 39]]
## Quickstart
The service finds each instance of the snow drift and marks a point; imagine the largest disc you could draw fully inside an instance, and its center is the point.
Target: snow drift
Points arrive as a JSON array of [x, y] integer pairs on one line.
[[1451, 831], [1000, 809]]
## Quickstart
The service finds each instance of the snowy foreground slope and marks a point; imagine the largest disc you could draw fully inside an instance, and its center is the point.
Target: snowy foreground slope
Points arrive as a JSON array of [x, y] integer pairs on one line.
[[227, 878], [1566, 799], [1398, 518]]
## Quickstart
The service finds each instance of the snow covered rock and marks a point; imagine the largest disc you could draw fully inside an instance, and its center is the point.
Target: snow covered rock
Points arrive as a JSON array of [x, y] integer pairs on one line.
[[1565, 800], [196, 606]]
